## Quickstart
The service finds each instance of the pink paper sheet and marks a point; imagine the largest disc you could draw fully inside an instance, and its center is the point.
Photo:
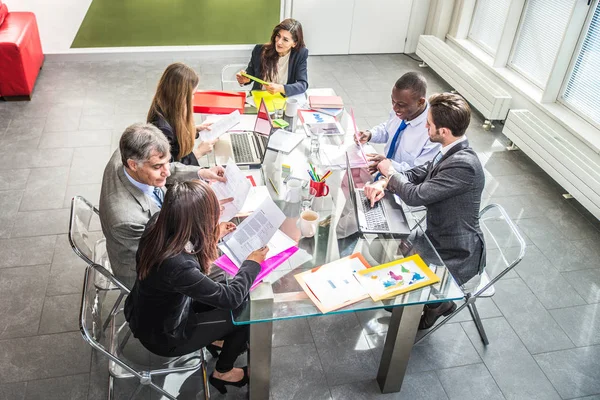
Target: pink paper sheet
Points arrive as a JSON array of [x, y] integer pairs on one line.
[[267, 266]]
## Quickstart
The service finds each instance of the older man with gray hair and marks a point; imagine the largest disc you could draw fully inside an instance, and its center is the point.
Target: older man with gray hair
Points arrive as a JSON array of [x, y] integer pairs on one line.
[[133, 188]]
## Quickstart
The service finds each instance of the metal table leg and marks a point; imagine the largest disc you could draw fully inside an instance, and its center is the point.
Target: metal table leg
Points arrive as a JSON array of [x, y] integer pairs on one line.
[[261, 338], [398, 346]]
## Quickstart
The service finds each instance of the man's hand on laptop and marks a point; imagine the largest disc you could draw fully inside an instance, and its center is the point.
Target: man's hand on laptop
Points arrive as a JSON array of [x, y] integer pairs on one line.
[[375, 190], [215, 173]]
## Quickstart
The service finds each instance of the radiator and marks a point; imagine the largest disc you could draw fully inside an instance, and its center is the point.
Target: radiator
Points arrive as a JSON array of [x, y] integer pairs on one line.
[[565, 158], [479, 89]]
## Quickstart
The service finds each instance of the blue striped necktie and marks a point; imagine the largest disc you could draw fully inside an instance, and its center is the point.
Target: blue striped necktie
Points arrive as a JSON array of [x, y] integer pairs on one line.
[[158, 194]]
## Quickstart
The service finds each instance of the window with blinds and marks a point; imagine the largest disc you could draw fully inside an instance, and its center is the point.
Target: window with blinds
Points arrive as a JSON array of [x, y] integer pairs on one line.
[[539, 37], [582, 90], [487, 23]]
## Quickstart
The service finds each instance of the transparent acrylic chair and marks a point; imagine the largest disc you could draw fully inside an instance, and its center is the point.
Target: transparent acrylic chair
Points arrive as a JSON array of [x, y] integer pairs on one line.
[[228, 80], [88, 242], [482, 285], [127, 357]]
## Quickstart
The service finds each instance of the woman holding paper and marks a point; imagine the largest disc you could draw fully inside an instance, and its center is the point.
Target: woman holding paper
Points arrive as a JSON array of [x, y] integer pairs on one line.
[[279, 65], [172, 112], [175, 308]]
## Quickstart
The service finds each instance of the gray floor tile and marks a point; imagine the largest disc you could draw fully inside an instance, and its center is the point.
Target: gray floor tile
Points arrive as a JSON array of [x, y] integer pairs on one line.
[[290, 332], [62, 123], [549, 286], [66, 271], [76, 139], [364, 390], [13, 391], [90, 192], [88, 165], [527, 206], [564, 254], [528, 317], [60, 314], [45, 356], [38, 158], [498, 234], [45, 189], [23, 130], [22, 291], [512, 367], [514, 185], [73, 387], [13, 179], [580, 323], [9, 206], [469, 382], [586, 282], [291, 362], [26, 251], [573, 372], [424, 385], [448, 347], [498, 259], [38, 223]]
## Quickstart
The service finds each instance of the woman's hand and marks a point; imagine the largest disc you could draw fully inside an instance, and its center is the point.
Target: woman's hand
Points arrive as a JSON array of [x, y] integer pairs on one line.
[[259, 255], [222, 203], [204, 148], [274, 88], [226, 228], [242, 80], [216, 173], [203, 127]]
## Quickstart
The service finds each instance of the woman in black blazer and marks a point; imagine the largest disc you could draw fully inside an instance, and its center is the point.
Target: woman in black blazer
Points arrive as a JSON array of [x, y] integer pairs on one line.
[[173, 296], [281, 62], [172, 111]]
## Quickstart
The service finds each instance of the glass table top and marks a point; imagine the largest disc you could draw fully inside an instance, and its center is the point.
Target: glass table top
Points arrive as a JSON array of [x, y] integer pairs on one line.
[[280, 296]]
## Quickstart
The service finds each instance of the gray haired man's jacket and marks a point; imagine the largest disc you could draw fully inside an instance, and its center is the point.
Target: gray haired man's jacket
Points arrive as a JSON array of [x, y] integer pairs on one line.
[[451, 191], [124, 212]]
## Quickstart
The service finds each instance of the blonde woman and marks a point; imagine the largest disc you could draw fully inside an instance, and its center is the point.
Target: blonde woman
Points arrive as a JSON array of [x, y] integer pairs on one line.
[[172, 112]]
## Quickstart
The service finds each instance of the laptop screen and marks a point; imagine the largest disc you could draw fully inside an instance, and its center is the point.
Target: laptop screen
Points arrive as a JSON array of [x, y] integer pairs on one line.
[[263, 125], [350, 181]]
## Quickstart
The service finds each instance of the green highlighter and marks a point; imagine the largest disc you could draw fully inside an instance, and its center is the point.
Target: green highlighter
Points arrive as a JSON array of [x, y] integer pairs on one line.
[[254, 78]]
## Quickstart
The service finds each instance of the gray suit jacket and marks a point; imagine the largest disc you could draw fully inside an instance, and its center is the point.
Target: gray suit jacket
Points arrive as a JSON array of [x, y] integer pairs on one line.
[[451, 191], [124, 212]]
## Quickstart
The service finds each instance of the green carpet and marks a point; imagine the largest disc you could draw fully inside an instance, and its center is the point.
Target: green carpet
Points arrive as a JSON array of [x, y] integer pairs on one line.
[[124, 23]]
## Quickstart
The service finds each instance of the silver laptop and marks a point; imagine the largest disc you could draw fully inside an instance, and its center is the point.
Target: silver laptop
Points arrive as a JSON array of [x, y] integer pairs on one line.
[[246, 148], [386, 216]]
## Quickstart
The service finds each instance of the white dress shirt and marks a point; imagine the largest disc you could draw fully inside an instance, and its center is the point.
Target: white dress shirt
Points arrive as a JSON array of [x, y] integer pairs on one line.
[[146, 189], [414, 148]]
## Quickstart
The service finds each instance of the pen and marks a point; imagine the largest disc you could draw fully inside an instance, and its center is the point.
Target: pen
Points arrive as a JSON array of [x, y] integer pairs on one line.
[[273, 186]]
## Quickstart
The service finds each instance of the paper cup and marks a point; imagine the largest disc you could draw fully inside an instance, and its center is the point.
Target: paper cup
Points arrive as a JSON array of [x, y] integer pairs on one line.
[[291, 107]]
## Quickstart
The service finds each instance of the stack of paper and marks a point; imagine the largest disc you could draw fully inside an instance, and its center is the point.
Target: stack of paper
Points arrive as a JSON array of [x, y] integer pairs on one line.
[[325, 102], [220, 126], [236, 186]]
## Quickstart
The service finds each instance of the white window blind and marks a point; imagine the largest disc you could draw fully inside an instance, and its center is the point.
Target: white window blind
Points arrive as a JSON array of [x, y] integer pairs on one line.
[[582, 91], [540, 34], [487, 23]]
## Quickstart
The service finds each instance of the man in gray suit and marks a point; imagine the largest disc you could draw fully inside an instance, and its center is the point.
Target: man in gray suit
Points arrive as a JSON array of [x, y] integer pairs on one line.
[[132, 191], [450, 187]]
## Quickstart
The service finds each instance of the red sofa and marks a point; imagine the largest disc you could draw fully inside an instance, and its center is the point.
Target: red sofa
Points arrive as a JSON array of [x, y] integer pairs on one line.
[[21, 54]]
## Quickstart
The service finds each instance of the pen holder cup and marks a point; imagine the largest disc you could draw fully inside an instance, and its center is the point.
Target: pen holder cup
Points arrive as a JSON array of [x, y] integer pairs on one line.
[[321, 188]]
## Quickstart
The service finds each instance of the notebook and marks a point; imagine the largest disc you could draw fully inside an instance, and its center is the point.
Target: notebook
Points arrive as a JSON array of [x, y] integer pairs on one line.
[[325, 101]]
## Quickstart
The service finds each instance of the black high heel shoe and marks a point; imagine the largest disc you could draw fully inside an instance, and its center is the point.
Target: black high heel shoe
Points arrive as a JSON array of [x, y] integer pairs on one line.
[[221, 385], [214, 350]]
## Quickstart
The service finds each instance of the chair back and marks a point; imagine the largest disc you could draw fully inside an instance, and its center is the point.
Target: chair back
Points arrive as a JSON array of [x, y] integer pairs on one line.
[[229, 81], [501, 235], [84, 228]]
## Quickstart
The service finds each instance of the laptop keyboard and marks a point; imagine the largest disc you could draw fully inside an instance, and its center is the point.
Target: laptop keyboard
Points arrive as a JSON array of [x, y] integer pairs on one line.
[[374, 215], [242, 148]]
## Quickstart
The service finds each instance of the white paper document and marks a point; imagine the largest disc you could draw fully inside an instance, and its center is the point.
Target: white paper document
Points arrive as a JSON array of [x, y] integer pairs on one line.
[[333, 156], [254, 232], [335, 283], [220, 125], [284, 141], [256, 196], [237, 186]]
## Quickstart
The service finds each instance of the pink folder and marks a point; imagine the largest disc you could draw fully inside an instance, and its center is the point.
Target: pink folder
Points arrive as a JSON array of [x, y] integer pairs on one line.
[[267, 266]]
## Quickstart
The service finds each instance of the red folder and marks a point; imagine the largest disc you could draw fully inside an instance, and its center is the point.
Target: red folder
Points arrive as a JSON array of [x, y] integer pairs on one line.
[[219, 102], [267, 266]]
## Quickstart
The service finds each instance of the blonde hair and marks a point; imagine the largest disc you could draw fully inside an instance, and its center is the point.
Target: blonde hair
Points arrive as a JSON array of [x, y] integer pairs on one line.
[[174, 102]]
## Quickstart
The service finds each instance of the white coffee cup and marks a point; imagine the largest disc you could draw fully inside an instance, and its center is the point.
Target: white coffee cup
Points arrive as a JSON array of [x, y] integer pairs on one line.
[[291, 107], [309, 223], [294, 191]]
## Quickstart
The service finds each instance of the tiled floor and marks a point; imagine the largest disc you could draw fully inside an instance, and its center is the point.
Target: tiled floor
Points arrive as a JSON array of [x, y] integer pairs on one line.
[[543, 321]]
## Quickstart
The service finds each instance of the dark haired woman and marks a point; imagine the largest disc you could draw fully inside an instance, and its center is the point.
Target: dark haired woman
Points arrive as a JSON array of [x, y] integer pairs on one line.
[[281, 62], [173, 295]]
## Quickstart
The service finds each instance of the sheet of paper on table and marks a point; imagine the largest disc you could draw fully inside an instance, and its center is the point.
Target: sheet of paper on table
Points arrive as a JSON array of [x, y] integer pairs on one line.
[[221, 124], [254, 232], [333, 156], [237, 186]]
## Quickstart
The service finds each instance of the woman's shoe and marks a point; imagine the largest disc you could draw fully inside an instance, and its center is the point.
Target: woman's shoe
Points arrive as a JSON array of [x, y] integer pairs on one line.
[[214, 350], [221, 385]]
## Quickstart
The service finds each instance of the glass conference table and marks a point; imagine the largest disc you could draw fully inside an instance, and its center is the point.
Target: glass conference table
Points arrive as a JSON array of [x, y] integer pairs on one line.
[[280, 297]]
